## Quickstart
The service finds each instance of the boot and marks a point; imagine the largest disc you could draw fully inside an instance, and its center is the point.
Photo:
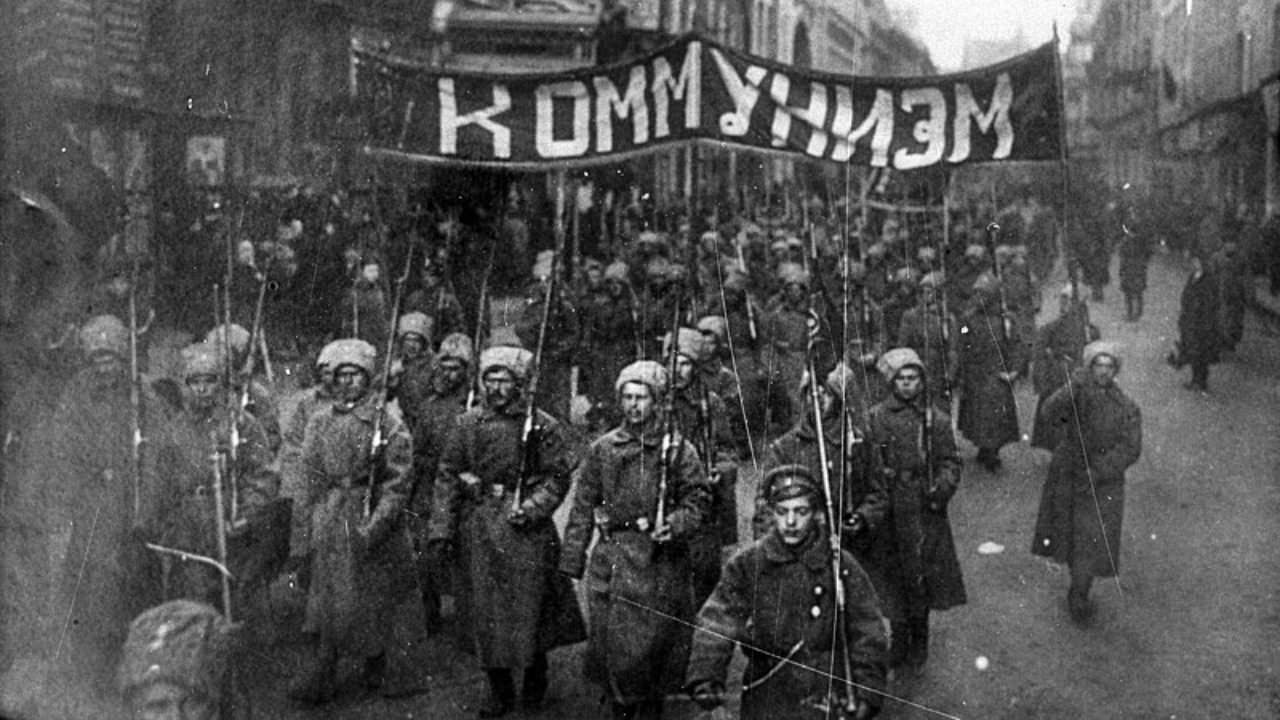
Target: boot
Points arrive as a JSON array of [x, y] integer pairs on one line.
[[502, 694], [534, 692], [918, 647], [1078, 604], [316, 684], [1137, 308]]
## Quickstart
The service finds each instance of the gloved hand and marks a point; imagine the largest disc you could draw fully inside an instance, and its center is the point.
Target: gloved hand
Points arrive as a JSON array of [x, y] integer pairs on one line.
[[708, 695]]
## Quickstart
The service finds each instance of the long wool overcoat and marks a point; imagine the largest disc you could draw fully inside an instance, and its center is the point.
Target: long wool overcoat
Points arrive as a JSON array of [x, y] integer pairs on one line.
[[640, 596], [522, 607], [1082, 504], [988, 411], [356, 580], [914, 563]]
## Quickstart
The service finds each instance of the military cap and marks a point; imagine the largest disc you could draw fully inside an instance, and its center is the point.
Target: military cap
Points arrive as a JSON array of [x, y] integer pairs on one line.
[[591, 263], [236, 334], [1067, 291], [1004, 252], [645, 372], [934, 280], [892, 362], [1097, 348], [975, 251], [789, 481], [795, 242], [456, 346], [325, 358], [415, 323], [877, 249], [779, 244], [351, 351], [906, 276], [517, 360], [105, 334], [200, 359], [927, 254], [985, 284], [649, 237], [619, 271], [182, 642], [793, 274], [690, 342], [715, 325]]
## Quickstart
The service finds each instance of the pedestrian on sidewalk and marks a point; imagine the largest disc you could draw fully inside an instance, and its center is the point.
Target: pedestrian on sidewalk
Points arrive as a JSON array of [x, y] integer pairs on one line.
[[1199, 325], [1082, 504]]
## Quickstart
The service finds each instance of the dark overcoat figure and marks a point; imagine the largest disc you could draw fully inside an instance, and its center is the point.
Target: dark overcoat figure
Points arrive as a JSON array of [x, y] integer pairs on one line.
[[1200, 325], [1054, 357], [990, 354]]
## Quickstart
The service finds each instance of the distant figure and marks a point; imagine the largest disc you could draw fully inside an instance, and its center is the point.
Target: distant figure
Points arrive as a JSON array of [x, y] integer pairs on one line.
[[1199, 326], [1135, 256]]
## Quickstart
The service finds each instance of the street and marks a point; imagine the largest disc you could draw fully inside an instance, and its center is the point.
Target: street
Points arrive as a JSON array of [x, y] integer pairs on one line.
[[1189, 631]]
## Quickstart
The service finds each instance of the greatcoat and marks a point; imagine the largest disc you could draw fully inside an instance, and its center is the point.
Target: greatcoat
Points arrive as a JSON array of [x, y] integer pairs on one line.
[[639, 594], [1082, 504], [913, 559], [356, 581], [988, 411], [525, 608]]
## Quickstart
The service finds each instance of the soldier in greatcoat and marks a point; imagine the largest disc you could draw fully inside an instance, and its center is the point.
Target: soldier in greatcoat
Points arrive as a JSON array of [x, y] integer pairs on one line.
[[916, 568], [611, 336], [81, 516], [294, 435], [359, 550], [1082, 504], [777, 600], [258, 399], [451, 391], [1054, 356], [787, 336], [639, 589], [503, 521], [702, 417], [932, 331], [560, 352], [414, 367], [1200, 333], [990, 355], [203, 431]]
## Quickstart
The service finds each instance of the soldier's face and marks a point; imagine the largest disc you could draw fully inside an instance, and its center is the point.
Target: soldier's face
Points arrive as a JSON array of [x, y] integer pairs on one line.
[[166, 701], [637, 403], [351, 383], [107, 367], [500, 389], [1104, 370], [594, 276], [203, 390], [908, 383], [794, 519], [452, 372], [614, 287], [684, 371], [412, 345]]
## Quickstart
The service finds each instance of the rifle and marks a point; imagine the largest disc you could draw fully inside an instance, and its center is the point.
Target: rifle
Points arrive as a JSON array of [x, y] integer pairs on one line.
[[751, 315], [669, 441], [480, 320], [528, 432], [220, 520], [233, 402], [993, 238], [378, 441], [135, 399], [850, 699]]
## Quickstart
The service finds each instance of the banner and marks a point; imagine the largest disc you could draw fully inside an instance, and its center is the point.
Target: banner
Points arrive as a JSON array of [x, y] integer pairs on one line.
[[695, 90]]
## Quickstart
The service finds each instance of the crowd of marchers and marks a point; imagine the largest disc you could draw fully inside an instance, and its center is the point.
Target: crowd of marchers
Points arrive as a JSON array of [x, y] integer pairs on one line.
[[433, 449]]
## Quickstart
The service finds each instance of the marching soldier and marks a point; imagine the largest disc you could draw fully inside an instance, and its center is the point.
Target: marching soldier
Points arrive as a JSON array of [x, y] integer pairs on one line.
[[560, 353], [611, 337], [933, 335], [503, 520], [414, 370], [190, 513], [901, 299], [368, 305], [436, 301], [259, 400], [787, 331], [917, 569], [451, 390], [777, 600], [359, 551], [990, 354], [702, 418], [646, 508], [1082, 504], [1021, 296], [1055, 356]]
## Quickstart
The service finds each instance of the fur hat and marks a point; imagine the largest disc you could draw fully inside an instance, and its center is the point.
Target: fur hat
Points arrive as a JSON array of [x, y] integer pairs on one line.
[[691, 344], [236, 334], [715, 325], [351, 351], [892, 362], [201, 359], [504, 337], [645, 372], [458, 347], [518, 360], [975, 251], [1096, 348], [793, 274], [788, 481], [182, 642], [105, 334], [415, 323], [542, 265], [619, 271], [933, 280]]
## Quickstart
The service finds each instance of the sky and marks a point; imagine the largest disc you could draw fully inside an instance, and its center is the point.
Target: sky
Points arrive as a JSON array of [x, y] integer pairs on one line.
[[943, 25]]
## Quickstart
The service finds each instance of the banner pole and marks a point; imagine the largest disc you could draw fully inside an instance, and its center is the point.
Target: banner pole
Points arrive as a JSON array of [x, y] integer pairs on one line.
[[1064, 224]]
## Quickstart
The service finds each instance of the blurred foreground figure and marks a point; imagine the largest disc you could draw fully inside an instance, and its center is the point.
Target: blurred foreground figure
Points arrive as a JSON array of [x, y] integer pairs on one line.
[[647, 508], [176, 664], [777, 600], [1082, 504]]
